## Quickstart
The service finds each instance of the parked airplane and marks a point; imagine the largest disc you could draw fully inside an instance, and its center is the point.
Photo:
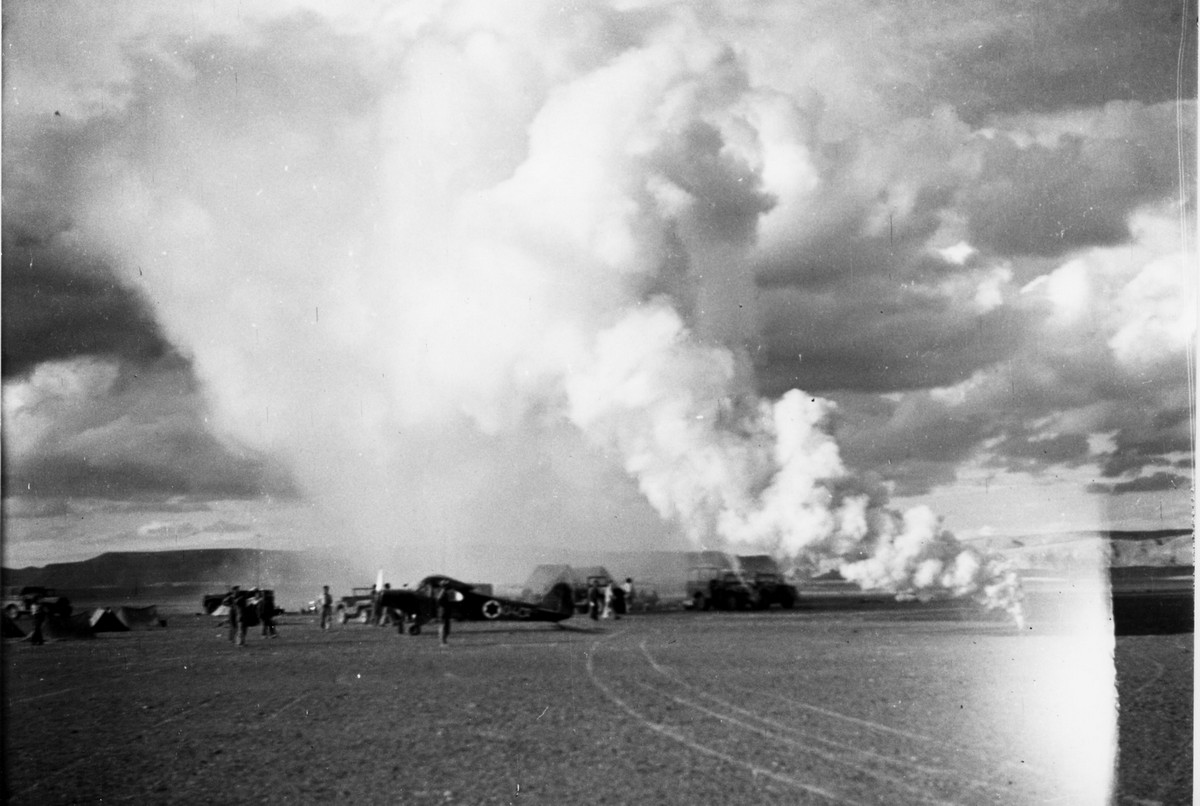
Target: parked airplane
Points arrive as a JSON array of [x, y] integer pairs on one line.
[[419, 606]]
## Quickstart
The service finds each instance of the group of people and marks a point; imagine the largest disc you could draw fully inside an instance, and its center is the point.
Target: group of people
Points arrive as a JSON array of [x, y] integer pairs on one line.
[[610, 600], [444, 599], [247, 608], [382, 616]]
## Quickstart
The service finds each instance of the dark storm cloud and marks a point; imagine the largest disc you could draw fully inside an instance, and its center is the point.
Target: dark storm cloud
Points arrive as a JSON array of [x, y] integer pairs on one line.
[[188, 464], [1039, 200], [1143, 484], [876, 336], [140, 435], [57, 306], [1046, 57], [1149, 442], [1033, 452]]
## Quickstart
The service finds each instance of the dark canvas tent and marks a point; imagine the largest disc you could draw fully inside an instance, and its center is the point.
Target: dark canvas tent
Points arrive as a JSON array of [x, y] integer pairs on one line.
[[77, 626], [11, 630], [103, 619], [140, 618]]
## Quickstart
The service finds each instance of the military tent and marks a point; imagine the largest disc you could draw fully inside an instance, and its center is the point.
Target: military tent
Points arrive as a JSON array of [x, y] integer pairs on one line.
[[103, 619], [74, 627], [11, 630], [544, 578], [140, 618]]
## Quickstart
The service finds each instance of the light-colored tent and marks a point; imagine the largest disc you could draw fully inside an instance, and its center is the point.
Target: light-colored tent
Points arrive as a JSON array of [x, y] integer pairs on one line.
[[544, 578], [103, 619], [140, 618]]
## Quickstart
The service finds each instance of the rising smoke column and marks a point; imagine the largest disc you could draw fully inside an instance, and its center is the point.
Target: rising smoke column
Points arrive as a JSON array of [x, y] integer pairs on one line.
[[754, 475]]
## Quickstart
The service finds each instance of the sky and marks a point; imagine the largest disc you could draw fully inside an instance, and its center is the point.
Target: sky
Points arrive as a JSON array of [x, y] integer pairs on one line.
[[436, 281]]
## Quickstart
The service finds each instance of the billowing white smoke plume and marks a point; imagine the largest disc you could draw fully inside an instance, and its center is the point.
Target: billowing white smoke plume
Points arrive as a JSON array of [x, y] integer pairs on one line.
[[751, 475], [510, 216]]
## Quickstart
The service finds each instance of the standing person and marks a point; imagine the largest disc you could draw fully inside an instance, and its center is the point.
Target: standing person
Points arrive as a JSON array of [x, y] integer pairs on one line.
[[594, 598], [235, 600], [444, 599], [38, 611], [325, 602], [628, 587], [266, 613], [383, 616], [618, 600], [376, 605], [608, 600]]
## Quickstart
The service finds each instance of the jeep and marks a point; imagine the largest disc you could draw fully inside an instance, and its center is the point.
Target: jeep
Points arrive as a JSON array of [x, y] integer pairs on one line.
[[357, 606]]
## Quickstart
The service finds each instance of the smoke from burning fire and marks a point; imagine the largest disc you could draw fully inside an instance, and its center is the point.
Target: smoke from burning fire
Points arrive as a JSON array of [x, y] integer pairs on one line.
[[754, 475]]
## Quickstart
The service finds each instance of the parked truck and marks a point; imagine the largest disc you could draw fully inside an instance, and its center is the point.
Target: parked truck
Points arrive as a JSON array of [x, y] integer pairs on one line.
[[19, 602], [712, 587], [767, 584]]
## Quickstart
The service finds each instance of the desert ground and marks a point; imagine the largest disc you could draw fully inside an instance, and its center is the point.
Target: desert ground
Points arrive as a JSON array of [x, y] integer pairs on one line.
[[851, 702]]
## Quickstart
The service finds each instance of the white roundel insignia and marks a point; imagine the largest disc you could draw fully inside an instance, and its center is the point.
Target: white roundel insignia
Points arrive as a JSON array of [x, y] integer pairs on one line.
[[491, 609]]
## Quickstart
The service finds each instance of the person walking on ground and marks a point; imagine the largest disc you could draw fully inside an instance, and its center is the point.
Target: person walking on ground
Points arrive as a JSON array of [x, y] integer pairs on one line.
[[266, 614], [38, 611], [628, 588], [608, 600], [376, 606], [325, 602], [444, 599]]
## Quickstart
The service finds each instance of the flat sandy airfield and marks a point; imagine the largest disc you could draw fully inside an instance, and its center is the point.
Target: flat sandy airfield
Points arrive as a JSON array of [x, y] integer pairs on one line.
[[831, 703]]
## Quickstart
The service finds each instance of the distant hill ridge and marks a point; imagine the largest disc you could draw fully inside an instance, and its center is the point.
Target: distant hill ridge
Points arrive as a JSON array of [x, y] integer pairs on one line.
[[129, 569], [246, 566]]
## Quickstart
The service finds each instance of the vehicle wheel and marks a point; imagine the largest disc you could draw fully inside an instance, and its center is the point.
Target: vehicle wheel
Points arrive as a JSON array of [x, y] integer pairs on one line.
[[12, 611], [414, 629], [342, 617]]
